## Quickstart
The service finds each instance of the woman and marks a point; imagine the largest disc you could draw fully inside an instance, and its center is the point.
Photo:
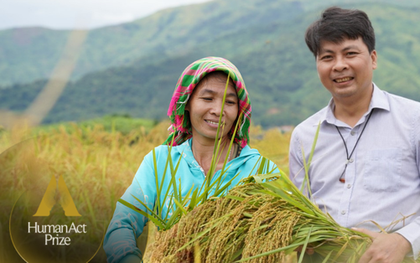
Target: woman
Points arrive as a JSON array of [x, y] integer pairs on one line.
[[194, 111]]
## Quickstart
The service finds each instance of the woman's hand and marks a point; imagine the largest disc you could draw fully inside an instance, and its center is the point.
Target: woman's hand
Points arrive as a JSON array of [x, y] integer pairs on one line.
[[308, 251]]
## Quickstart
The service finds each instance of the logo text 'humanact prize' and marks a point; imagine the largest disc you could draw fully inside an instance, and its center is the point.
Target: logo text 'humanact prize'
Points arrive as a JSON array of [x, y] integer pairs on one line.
[[53, 232]]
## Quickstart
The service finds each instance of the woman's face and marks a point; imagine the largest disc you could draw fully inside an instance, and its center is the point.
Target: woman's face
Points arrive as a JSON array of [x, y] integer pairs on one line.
[[205, 105]]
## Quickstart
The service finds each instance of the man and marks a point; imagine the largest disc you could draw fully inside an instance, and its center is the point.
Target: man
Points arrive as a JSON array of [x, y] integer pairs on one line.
[[365, 169]]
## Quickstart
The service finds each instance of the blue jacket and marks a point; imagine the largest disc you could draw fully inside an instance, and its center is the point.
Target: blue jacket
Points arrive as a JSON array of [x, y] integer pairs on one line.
[[127, 225]]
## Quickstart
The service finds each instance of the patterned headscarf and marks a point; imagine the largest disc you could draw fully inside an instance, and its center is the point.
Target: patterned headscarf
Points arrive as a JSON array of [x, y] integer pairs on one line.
[[181, 126]]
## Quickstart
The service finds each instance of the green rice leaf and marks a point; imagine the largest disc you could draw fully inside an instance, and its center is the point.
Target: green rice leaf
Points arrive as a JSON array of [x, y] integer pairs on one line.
[[180, 206], [158, 189], [156, 220], [305, 245]]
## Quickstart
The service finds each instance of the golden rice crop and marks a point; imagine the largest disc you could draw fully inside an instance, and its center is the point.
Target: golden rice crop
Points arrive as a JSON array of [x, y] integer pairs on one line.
[[257, 222], [97, 166], [91, 159]]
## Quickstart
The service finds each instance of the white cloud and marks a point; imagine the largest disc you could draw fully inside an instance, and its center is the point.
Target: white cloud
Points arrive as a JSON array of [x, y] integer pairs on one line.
[[66, 14]]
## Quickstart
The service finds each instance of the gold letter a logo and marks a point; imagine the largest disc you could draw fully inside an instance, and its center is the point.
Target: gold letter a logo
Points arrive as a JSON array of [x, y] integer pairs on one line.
[[48, 201]]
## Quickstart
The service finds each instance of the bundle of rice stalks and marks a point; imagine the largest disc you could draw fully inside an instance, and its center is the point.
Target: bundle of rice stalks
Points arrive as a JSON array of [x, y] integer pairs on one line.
[[261, 220]]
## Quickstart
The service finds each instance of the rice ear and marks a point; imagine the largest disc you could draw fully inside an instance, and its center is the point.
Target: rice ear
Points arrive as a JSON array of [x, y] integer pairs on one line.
[[254, 223]]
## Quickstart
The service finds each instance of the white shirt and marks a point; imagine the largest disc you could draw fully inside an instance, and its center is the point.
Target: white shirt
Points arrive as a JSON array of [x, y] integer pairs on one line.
[[382, 178]]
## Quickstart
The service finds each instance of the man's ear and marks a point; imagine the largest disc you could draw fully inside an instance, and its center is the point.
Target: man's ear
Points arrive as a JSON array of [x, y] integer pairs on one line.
[[374, 58]]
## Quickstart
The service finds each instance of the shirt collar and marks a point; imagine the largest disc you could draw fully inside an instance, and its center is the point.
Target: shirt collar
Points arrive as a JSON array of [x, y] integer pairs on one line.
[[379, 101]]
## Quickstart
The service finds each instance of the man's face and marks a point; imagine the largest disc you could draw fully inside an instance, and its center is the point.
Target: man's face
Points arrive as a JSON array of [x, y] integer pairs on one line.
[[346, 69]]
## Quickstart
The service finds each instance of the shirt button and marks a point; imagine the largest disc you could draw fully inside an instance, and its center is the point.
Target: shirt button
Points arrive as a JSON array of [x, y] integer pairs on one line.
[[343, 212], [352, 133], [349, 186], [351, 160]]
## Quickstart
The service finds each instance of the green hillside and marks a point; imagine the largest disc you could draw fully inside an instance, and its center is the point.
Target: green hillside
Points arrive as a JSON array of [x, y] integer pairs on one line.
[[28, 54], [264, 38], [31, 53]]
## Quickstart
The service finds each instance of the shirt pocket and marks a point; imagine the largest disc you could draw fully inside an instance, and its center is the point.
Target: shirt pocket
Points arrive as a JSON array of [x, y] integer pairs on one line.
[[383, 170]]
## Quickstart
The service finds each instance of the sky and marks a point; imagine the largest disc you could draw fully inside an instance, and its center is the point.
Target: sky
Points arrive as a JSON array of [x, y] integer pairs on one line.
[[70, 14]]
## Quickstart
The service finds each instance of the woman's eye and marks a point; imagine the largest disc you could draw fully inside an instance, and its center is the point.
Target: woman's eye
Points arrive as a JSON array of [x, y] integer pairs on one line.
[[207, 99], [230, 102]]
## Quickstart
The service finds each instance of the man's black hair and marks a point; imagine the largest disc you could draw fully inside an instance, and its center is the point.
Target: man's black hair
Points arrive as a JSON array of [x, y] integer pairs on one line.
[[336, 24]]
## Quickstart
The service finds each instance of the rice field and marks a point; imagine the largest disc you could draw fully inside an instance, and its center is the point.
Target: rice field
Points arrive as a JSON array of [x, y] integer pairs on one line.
[[98, 164]]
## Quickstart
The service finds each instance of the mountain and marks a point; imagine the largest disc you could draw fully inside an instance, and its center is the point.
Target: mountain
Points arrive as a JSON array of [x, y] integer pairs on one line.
[[135, 72], [28, 54]]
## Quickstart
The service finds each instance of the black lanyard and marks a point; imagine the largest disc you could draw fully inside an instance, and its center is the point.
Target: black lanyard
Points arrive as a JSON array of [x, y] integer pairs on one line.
[[342, 179]]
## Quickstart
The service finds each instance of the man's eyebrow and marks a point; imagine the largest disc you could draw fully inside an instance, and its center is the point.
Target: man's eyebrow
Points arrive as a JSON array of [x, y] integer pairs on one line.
[[350, 47], [344, 49], [324, 50]]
